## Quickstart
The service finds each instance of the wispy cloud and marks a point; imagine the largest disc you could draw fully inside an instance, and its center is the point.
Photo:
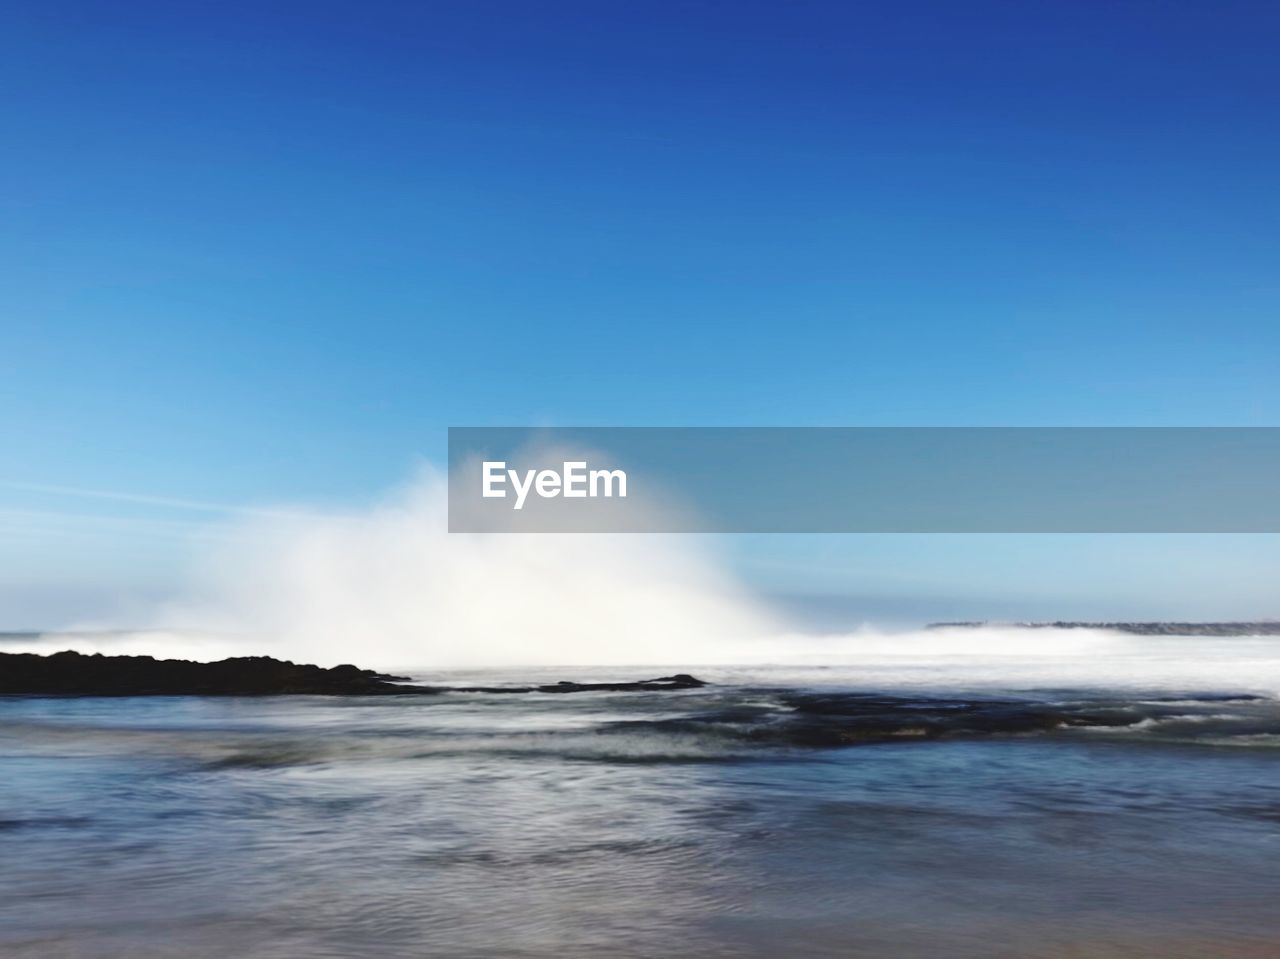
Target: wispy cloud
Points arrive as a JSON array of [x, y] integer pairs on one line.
[[168, 502], [43, 523]]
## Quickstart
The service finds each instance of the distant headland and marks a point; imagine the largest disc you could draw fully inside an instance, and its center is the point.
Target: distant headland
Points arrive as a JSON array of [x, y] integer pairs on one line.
[[1265, 627]]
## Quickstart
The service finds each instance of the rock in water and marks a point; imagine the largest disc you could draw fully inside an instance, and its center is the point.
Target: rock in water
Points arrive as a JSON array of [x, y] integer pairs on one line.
[[75, 674]]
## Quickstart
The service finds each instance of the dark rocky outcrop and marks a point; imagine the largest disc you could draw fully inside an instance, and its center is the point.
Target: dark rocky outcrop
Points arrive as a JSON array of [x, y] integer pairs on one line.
[[662, 683], [75, 674]]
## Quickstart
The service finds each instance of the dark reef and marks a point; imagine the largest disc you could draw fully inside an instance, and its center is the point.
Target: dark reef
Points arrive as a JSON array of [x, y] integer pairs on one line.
[[75, 674], [841, 719], [678, 681]]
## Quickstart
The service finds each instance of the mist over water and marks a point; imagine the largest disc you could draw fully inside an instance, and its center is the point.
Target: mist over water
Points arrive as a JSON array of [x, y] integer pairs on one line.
[[390, 588]]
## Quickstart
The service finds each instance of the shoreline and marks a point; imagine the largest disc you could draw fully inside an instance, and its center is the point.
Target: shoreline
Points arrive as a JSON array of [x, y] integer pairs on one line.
[[69, 673]]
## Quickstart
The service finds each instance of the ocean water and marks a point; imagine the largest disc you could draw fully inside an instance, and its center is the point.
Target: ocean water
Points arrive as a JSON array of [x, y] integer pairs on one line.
[[904, 808]]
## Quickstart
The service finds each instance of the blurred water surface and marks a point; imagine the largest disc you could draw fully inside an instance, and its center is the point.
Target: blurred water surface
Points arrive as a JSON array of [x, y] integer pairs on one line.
[[630, 825]]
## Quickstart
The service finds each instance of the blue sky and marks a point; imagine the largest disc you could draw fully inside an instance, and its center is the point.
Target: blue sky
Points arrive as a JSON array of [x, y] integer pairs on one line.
[[268, 252]]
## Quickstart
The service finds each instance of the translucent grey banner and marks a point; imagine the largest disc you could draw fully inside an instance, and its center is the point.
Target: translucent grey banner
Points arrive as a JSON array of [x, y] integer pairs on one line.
[[864, 480]]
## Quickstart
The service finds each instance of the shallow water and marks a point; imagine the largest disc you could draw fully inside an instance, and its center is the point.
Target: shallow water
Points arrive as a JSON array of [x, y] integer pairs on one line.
[[694, 823]]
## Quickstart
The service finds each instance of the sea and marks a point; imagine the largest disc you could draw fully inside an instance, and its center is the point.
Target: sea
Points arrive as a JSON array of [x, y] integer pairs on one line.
[[1117, 801]]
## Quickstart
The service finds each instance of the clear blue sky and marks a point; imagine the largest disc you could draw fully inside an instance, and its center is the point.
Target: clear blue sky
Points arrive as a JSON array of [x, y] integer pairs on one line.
[[257, 252]]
